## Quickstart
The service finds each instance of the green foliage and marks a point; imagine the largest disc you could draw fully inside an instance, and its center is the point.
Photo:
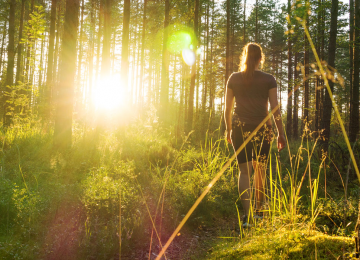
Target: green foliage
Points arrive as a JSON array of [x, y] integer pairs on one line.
[[145, 174], [6, 205], [103, 187], [35, 27], [338, 217], [104, 191], [192, 172], [28, 206], [18, 99]]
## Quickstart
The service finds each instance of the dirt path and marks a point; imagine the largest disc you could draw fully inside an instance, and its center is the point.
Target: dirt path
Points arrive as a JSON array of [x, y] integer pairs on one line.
[[191, 244]]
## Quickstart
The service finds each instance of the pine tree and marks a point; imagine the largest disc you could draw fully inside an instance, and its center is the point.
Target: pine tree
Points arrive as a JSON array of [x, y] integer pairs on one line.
[[67, 70], [164, 95], [193, 71], [10, 65], [354, 105], [331, 62], [125, 44], [20, 45], [50, 61], [290, 81]]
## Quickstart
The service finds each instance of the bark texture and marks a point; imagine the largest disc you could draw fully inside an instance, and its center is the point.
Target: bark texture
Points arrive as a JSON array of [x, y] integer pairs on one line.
[[67, 71], [331, 62], [10, 65]]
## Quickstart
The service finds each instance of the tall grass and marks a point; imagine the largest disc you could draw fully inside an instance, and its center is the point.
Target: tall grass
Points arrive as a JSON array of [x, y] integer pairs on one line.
[[128, 182], [281, 202], [325, 77]]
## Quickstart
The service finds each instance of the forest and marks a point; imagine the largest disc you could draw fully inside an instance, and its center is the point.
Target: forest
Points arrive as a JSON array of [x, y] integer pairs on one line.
[[112, 141]]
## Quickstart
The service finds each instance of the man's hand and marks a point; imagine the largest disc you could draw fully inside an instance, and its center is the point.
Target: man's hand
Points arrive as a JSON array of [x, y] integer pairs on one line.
[[281, 142], [228, 135]]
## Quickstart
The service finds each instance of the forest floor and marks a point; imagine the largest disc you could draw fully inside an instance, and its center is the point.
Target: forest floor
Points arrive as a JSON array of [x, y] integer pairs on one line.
[[221, 240], [191, 243], [67, 205]]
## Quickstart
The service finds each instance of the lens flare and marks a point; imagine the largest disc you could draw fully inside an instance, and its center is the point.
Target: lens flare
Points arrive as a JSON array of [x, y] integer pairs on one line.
[[178, 41], [188, 56], [182, 40]]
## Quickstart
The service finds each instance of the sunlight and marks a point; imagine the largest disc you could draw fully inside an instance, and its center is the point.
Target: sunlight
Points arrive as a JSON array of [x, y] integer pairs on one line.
[[108, 94]]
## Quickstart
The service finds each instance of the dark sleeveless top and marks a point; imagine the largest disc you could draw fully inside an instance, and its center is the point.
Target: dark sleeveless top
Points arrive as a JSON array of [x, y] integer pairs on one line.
[[251, 96]]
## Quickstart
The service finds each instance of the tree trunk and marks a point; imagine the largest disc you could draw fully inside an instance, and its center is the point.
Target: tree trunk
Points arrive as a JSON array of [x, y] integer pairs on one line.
[[91, 56], [197, 81], [182, 97], [279, 68], [332, 48], [142, 66], [125, 44], [307, 69], [244, 28], [323, 90], [187, 98], [105, 58], [318, 85], [256, 21], [157, 86], [20, 45], [164, 95], [354, 106], [10, 65], [290, 82], [79, 72], [100, 33], [173, 90], [113, 54], [67, 70], [206, 62], [150, 73], [296, 98], [228, 33], [351, 53], [232, 38], [28, 51], [357, 235], [212, 88], [132, 54], [2, 47], [138, 55], [50, 62], [193, 72], [41, 66], [56, 52]]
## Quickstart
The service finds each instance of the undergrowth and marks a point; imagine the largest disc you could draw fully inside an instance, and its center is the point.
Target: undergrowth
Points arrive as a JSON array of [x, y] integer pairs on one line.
[[68, 203]]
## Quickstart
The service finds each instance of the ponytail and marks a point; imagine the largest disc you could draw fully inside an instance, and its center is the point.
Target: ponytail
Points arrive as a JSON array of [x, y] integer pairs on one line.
[[249, 58]]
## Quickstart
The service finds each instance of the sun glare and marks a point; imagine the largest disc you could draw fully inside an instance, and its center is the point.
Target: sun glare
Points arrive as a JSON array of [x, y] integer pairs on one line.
[[108, 94]]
